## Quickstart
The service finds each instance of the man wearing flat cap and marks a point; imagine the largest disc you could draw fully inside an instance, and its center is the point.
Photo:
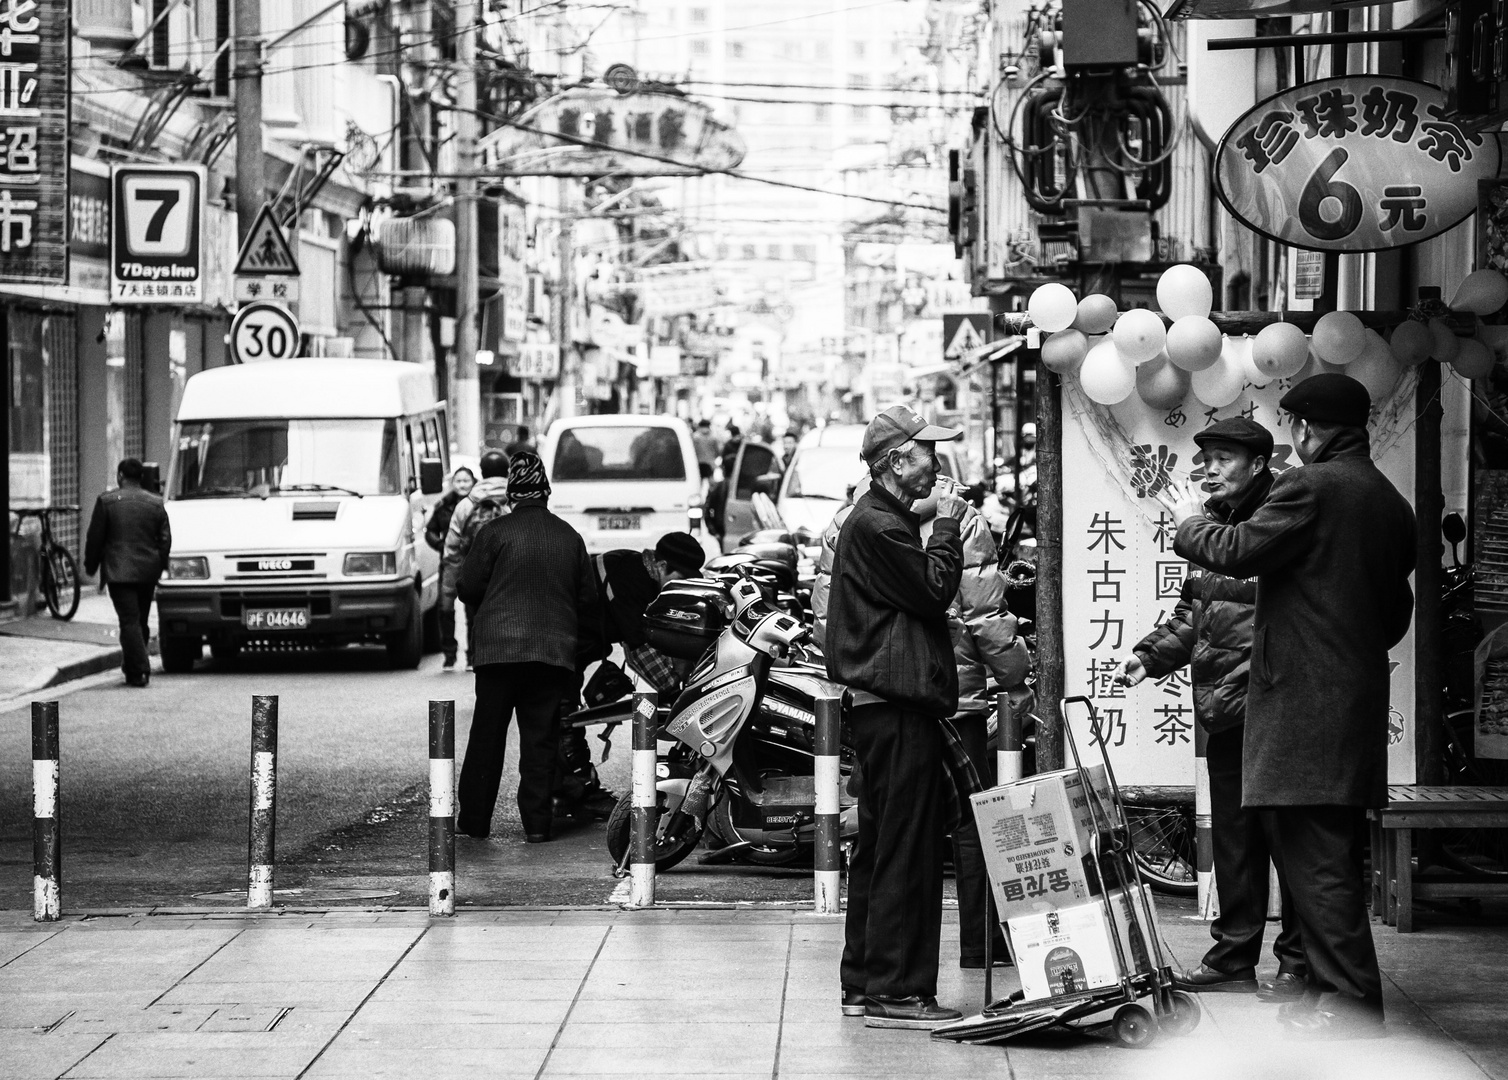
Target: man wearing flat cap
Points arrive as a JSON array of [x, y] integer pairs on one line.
[[1332, 549], [1210, 633], [887, 633]]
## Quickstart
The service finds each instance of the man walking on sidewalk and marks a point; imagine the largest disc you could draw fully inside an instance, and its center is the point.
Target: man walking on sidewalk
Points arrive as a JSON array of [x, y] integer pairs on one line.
[[887, 633], [535, 594], [128, 545]]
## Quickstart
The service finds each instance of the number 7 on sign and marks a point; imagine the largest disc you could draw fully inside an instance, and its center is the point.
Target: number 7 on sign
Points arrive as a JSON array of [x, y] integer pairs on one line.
[[158, 214]]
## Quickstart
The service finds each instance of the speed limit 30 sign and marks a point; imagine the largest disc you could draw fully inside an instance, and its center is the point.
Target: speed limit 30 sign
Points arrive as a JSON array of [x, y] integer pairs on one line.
[[157, 234], [264, 331]]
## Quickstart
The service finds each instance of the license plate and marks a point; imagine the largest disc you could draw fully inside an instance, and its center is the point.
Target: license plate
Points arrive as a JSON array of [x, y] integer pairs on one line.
[[276, 618], [619, 521]]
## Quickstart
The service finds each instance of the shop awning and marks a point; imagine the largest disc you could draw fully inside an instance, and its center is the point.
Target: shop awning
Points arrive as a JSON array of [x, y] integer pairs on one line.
[[995, 350]]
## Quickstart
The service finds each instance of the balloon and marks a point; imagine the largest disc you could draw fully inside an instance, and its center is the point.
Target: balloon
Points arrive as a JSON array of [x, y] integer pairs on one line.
[[1280, 350], [1339, 337], [1184, 290], [1194, 343], [1475, 360], [1446, 344], [1064, 351], [1484, 292], [1222, 382], [1096, 314], [1161, 383], [1239, 350], [1052, 307], [1106, 378], [1139, 335], [1412, 343], [1375, 368]]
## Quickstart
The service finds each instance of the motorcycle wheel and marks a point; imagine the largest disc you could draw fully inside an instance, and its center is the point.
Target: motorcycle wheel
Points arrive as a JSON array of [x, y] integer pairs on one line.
[[754, 854], [620, 835]]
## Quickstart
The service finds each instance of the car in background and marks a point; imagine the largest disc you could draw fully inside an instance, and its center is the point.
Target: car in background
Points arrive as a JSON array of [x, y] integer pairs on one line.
[[623, 481]]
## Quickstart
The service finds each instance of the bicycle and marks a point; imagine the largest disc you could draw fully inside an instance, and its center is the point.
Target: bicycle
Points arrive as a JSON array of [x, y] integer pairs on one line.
[[59, 569]]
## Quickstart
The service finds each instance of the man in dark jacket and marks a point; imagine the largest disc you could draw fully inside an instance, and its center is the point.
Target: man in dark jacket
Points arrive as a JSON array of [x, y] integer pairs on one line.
[[887, 633], [1210, 632], [128, 546], [1332, 549], [536, 612]]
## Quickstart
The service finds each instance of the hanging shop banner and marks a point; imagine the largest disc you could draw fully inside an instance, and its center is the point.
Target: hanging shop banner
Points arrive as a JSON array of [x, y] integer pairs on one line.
[[1362, 163], [157, 234], [34, 62], [1122, 578], [591, 131], [535, 360]]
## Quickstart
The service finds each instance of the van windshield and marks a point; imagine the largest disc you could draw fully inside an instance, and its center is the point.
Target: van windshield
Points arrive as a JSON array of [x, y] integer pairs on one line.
[[229, 458], [618, 453]]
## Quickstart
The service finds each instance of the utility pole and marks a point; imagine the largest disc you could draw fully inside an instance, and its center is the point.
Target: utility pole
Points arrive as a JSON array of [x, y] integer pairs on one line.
[[568, 386], [467, 389], [251, 183]]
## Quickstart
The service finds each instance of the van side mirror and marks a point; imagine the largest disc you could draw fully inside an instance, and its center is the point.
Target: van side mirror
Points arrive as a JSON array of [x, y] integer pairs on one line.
[[431, 476]]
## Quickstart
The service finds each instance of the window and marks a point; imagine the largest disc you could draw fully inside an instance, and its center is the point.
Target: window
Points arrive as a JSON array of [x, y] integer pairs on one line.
[[824, 51], [750, 251], [773, 251], [699, 47], [790, 50], [618, 454], [858, 50], [804, 252], [859, 113], [722, 252], [698, 16], [757, 461], [257, 458], [735, 50], [858, 82], [819, 113]]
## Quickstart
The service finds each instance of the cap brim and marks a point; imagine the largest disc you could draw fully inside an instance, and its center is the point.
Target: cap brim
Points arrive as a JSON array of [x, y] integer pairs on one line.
[[933, 433]]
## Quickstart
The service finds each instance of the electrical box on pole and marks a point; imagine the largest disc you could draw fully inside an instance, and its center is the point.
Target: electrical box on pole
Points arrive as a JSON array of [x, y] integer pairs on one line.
[[1099, 33]]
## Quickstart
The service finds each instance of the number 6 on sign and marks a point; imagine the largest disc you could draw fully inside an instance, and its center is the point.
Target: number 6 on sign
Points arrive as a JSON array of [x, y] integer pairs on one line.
[[264, 332]]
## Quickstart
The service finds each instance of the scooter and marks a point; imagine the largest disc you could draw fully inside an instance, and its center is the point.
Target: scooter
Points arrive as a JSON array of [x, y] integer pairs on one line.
[[740, 765]]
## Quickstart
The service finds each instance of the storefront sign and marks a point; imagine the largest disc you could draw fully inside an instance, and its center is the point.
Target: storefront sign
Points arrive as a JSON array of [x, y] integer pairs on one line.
[[1122, 577], [535, 360], [591, 131], [157, 248], [89, 231], [1361, 163], [677, 289], [512, 247], [34, 64]]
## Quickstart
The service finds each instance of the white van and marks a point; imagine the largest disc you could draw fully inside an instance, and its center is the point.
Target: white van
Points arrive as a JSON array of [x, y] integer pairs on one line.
[[623, 481], [297, 495]]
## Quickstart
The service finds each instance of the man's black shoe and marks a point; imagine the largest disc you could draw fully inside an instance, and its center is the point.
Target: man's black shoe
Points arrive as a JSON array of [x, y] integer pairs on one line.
[[908, 1012], [1209, 981], [853, 1001], [537, 838], [138, 680], [1285, 986]]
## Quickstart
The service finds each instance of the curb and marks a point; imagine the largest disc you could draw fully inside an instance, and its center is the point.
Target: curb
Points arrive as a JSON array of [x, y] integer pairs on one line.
[[78, 669]]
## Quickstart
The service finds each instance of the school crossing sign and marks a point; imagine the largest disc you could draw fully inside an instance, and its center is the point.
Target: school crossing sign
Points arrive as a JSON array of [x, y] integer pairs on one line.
[[964, 332], [1362, 163]]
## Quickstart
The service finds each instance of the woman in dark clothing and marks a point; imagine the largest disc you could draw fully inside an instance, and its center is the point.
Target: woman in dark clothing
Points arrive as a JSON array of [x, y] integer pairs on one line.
[[461, 482]]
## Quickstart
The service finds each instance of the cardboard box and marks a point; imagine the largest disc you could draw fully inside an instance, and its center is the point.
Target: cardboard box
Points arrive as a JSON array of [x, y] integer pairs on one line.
[[1070, 950], [1036, 835]]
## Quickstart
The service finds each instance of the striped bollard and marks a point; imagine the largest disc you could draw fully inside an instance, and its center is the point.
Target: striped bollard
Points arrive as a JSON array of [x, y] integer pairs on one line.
[[442, 807], [46, 838], [261, 840], [641, 888], [1204, 834], [828, 741], [1008, 744]]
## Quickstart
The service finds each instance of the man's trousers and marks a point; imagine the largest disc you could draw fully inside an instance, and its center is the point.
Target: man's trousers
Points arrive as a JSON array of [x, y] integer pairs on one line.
[[533, 691], [895, 878]]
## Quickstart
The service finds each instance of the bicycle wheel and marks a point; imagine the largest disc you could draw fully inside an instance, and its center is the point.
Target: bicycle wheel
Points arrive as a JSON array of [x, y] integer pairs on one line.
[[60, 583], [1162, 838]]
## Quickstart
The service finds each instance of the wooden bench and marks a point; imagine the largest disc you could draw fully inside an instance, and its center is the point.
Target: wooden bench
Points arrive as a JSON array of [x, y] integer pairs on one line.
[[1410, 807]]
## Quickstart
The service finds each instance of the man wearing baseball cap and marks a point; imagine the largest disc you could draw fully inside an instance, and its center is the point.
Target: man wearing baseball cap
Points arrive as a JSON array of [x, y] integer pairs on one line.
[[1210, 633], [1332, 549], [887, 633]]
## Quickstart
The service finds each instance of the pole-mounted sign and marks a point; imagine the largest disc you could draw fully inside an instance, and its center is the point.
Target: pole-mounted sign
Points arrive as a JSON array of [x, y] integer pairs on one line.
[[157, 234]]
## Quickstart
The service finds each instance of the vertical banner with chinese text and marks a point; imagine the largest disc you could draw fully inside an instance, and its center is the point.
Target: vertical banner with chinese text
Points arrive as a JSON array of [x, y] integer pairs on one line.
[[1121, 577], [35, 36]]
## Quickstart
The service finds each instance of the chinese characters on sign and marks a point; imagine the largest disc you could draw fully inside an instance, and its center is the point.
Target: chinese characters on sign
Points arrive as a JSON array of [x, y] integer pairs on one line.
[[157, 234], [34, 59], [1352, 164]]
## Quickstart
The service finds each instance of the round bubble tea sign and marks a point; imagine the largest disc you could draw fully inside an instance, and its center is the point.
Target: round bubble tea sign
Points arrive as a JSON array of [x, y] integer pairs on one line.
[[1361, 163], [264, 331]]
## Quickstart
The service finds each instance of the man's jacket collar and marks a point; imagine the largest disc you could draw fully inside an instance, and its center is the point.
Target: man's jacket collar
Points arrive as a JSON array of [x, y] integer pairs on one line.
[[1346, 442], [890, 502]]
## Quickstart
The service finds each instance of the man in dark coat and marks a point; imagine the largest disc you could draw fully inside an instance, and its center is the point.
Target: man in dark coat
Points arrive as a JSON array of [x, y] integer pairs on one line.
[[887, 633], [1210, 632], [128, 546], [1332, 550], [535, 594]]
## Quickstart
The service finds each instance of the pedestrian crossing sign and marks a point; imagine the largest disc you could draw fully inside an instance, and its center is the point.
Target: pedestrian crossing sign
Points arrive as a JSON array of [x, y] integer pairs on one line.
[[964, 332], [266, 252]]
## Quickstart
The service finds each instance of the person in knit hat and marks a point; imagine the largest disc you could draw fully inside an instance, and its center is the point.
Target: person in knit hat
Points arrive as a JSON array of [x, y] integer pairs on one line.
[[537, 616]]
